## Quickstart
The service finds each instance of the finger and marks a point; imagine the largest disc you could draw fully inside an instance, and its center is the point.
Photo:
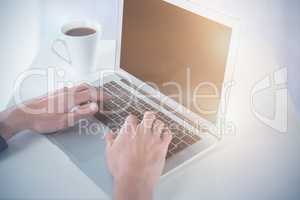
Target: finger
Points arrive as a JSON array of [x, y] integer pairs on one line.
[[147, 122], [79, 95], [58, 91], [59, 100], [62, 100], [66, 90], [130, 125], [166, 139], [79, 88], [157, 129], [109, 139], [96, 93], [84, 111], [80, 98], [90, 94], [100, 96]]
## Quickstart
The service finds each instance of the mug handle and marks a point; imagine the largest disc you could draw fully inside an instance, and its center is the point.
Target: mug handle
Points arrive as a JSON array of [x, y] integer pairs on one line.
[[55, 51]]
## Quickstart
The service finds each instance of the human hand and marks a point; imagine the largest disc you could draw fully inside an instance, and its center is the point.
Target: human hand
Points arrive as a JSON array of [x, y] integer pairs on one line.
[[53, 112], [136, 157]]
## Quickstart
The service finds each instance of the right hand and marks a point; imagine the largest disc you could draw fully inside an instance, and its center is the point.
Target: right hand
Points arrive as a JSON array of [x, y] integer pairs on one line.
[[136, 157]]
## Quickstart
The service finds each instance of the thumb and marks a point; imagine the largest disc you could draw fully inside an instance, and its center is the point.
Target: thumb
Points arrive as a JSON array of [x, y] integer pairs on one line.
[[109, 139]]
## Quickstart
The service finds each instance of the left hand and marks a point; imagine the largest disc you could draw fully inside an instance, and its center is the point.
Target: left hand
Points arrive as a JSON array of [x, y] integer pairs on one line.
[[53, 112]]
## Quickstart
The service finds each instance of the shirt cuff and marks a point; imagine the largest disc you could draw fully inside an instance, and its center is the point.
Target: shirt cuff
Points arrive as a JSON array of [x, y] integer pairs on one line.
[[3, 144]]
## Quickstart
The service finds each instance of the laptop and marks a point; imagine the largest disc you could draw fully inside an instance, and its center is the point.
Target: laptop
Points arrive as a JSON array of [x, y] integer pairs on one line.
[[174, 58]]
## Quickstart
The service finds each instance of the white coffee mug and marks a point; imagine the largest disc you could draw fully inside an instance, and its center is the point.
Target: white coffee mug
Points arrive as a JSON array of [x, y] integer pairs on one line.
[[81, 46]]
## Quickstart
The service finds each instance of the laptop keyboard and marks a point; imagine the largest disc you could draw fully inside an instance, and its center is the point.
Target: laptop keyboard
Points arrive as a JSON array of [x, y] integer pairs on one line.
[[123, 103]]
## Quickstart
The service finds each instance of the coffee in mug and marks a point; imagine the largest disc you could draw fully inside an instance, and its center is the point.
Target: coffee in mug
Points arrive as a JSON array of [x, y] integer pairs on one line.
[[81, 31]]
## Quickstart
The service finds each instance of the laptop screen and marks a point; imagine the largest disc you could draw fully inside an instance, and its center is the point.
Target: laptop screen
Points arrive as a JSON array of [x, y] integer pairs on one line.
[[177, 51]]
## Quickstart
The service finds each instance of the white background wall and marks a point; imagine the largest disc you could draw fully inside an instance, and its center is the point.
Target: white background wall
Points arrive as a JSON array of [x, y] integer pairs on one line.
[[58, 12], [19, 41], [292, 49], [28, 27]]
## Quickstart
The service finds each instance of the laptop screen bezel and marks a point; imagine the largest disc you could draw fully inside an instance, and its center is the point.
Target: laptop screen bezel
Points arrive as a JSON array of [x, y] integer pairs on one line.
[[211, 14]]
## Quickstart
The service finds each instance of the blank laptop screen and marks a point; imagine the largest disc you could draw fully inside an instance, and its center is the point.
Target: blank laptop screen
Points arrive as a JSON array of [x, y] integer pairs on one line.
[[181, 53]]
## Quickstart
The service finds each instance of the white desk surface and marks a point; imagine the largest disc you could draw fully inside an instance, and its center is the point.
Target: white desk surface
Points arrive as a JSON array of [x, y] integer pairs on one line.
[[255, 163]]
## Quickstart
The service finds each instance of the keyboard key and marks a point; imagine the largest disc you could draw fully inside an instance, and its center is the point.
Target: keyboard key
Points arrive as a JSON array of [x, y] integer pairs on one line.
[[169, 154], [179, 147], [188, 139], [175, 140], [178, 133], [171, 147], [123, 114], [136, 113], [114, 127], [114, 83], [119, 120], [148, 106], [130, 110], [113, 116], [196, 137], [140, 117]]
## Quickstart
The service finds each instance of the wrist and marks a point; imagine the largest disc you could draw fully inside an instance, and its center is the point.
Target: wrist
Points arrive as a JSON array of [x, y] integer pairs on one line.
[[11, 122], [133, 188]]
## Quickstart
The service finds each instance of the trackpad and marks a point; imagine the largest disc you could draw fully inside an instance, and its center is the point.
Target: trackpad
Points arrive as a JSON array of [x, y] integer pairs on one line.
[[85, 146]]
